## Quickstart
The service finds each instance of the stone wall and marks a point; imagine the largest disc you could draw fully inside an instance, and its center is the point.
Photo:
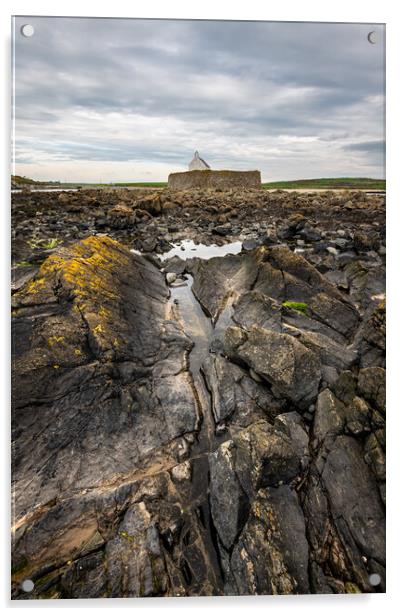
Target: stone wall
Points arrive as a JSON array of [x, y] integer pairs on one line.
[[214, 179]]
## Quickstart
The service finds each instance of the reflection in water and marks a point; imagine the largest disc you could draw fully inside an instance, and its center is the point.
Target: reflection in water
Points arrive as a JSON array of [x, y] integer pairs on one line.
[[199, 327], [203, 332], [187, 249], [195, 322], [18, 190]]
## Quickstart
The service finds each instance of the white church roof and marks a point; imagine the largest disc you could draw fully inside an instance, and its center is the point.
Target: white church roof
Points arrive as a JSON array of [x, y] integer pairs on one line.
[[198, 163]]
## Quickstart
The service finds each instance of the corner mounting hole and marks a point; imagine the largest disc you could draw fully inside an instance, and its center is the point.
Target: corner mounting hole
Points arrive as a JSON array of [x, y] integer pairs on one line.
[[375, 579], [27, 30], [372, 37], [27, 585]]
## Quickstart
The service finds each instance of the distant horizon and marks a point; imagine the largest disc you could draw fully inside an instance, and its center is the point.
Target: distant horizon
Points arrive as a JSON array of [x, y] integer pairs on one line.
[[113, 99], [141, 181]]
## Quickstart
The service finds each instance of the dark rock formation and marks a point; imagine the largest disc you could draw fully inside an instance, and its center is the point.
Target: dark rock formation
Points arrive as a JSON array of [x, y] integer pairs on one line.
[[282, 360], [271, 556], [155, 457], [101, 396]]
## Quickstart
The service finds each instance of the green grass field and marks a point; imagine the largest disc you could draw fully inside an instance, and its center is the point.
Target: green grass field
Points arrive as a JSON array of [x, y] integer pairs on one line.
[[330, 183], [138, 184]]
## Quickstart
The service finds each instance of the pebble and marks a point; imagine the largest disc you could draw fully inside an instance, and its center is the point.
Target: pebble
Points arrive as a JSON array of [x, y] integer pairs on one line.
[[311, 235], [270, 237], [170, 277], [182, 472], [345, 258], [341, 242], [249, 244], [256, 377]]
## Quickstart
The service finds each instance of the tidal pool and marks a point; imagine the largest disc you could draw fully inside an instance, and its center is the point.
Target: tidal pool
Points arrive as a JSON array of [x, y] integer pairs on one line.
[[187, 249]]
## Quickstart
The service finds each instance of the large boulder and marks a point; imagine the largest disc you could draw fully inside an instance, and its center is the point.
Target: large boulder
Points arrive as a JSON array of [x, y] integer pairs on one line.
[[236, 398], [271, 556], [289, 366], [355, 503], [267, 456], [217, 279], [371, 385]]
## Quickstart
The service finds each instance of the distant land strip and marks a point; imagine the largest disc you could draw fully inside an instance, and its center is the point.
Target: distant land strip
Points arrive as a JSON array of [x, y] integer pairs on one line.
[[318, 183], [329, 183]]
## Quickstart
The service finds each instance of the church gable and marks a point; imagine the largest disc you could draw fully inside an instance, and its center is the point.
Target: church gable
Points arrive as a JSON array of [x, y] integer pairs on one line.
[[198, 163]]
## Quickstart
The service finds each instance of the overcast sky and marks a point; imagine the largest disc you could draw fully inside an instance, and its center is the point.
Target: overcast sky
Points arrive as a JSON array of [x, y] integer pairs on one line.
[[130, 100]]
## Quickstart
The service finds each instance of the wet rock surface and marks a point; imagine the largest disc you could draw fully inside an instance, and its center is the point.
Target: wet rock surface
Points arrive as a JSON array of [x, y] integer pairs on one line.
[[199, 426]]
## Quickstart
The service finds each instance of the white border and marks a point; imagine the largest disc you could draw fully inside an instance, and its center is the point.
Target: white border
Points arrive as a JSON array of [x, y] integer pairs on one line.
[[307, 10]]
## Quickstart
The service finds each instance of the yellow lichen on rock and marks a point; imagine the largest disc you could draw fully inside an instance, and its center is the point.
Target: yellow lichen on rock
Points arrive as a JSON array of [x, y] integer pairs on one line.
[[89, 273], [55, 340], [88, 266], [36, 285]]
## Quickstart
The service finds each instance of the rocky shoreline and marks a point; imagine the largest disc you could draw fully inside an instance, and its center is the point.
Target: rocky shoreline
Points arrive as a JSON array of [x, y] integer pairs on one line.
[[207, 426]]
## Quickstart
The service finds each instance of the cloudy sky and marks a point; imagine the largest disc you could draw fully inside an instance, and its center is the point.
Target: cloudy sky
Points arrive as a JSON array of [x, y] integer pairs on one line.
[[130, 100]]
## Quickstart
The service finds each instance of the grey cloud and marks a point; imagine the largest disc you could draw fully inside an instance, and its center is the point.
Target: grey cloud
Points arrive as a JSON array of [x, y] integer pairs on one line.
[[367, 146], [233, 84]]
